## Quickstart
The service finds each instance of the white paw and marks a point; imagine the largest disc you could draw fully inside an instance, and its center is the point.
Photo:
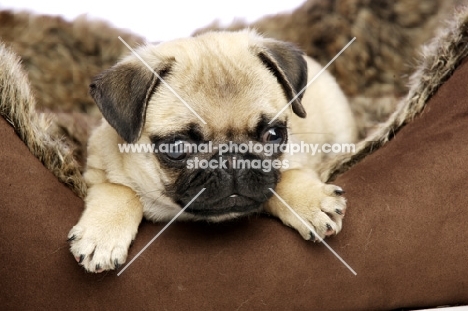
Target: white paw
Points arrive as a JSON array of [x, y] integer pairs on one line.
[[322, 207], [109, 224], [98, 247]]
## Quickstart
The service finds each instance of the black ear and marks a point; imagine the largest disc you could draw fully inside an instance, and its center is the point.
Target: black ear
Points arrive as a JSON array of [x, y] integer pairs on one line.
[[290, 68], [122, 94]]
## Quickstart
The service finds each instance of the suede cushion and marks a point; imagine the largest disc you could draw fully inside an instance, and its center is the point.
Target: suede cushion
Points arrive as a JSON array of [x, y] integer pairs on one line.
[[405, 234]]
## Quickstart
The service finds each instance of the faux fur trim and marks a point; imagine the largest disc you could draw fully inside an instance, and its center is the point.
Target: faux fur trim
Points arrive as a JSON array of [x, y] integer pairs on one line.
[[388, 34], [61, 57], [17, 106], [438, 61]]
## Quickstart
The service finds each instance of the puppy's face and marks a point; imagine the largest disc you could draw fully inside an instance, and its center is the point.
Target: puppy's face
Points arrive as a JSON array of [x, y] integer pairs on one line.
[[214, 91]]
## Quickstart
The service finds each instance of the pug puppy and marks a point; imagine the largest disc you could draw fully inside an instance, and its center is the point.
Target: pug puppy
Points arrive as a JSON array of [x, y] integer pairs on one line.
[[233, 85]]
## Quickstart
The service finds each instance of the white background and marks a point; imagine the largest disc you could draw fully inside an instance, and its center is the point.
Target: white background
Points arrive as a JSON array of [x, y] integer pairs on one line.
[[158, 20]]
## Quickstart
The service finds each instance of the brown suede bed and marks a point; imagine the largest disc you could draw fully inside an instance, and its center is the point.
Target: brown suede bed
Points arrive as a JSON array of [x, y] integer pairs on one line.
[[405, 235]]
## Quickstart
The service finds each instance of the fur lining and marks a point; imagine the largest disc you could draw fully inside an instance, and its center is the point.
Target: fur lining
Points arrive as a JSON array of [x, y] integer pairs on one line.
[[388, 34], [17, 106], [438, 61], [61, 57]]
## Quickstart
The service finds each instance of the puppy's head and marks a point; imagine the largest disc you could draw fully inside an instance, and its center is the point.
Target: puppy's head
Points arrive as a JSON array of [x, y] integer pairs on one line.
[[197, 96]]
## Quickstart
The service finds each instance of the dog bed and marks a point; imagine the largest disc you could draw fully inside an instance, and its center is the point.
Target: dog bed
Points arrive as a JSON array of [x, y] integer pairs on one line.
[[404, 235]]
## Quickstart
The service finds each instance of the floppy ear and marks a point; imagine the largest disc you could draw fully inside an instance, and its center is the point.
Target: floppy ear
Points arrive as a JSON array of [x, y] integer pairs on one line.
[[287, 63], [122, 94]]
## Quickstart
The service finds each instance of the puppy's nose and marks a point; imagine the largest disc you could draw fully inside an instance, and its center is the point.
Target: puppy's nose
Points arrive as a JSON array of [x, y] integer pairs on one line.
[[229, 162], [226, 161]]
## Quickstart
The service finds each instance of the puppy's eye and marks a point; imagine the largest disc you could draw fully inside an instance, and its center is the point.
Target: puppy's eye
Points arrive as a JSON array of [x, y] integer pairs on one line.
[[178, 150], [274, 135]]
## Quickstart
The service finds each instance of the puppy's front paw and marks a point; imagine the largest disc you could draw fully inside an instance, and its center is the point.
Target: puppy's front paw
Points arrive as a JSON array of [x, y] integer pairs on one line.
[[109, 224], [323, 210], [99, 248], [321, 206]]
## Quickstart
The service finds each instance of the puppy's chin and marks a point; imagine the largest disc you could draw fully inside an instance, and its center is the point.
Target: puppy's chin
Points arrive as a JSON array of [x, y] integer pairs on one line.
[[231, 206]]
